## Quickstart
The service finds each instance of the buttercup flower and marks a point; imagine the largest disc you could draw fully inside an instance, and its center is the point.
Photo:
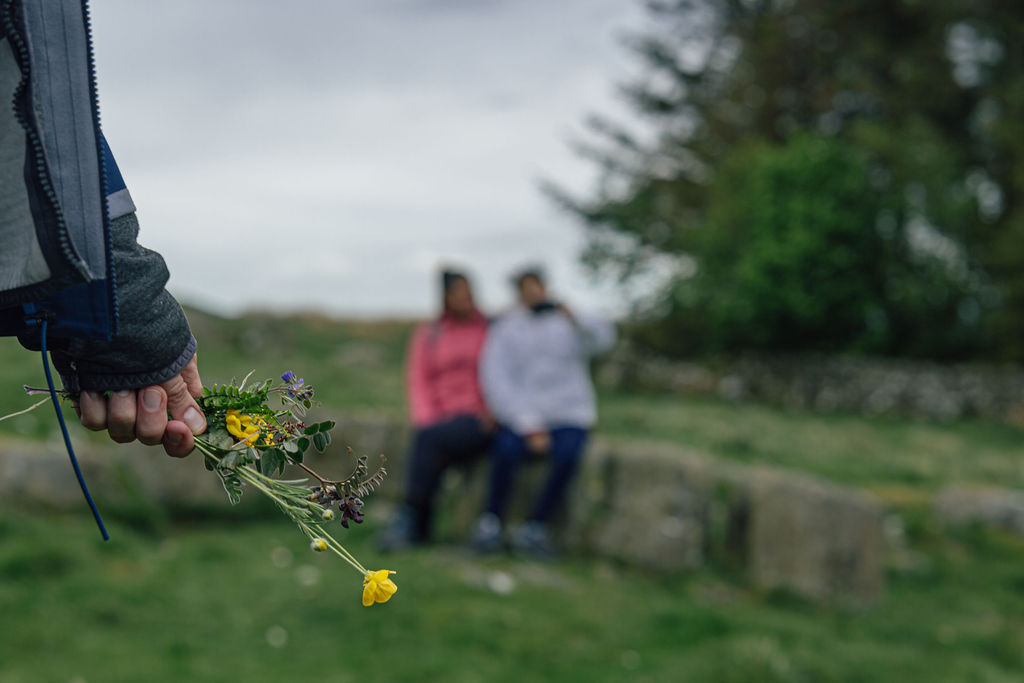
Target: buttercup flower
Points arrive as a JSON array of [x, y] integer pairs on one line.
[[377, 587], [244, 427]]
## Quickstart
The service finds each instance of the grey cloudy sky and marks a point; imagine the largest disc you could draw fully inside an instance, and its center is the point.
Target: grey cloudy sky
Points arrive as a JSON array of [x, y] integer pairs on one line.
[[329, 155]]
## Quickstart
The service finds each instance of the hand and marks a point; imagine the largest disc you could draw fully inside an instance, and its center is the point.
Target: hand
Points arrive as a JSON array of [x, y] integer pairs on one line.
[[489, 424], [539, 442], [142, 414]]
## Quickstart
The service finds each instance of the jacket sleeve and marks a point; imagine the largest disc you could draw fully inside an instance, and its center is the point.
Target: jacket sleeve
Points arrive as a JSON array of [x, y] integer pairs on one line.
[[419, 393], [506, 397], [153, 343], [597, 335]]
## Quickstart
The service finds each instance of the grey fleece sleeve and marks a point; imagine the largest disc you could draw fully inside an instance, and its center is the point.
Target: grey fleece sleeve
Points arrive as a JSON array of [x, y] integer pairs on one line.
[[153, 343]]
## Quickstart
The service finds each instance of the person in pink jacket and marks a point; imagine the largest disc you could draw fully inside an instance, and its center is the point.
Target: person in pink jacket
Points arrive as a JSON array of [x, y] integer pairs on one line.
[[446, 406]]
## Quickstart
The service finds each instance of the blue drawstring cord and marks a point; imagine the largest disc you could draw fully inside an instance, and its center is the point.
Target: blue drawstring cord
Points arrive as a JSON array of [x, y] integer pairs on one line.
[[67, 439]]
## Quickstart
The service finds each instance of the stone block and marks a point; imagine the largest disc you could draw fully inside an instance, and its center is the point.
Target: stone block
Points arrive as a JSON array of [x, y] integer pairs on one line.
[[990, 507], [820, 541], [646, 508]]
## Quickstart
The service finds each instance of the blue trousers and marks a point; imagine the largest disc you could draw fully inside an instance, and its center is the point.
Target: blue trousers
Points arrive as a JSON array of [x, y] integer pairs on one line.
[[433, 449], [509, 451]]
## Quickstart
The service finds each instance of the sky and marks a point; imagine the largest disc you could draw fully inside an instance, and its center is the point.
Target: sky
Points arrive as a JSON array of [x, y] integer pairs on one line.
[[330, 155]]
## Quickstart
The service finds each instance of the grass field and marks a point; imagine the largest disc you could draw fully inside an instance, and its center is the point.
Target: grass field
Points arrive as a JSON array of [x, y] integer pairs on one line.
[[237, 595], [226, 600]]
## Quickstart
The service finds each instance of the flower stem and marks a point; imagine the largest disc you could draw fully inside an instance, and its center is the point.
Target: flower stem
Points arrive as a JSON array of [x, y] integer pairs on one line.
[[27, 410], [292, 502], [321, 479]]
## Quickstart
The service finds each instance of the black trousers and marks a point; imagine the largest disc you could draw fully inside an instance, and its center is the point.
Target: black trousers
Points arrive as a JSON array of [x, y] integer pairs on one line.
[[459, 440]]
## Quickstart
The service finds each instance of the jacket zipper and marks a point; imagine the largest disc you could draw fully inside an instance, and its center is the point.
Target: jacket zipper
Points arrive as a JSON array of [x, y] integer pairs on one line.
[[107, 237]]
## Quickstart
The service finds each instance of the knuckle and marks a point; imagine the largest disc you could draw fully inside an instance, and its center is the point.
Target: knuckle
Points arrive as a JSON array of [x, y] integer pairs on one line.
[[177, 392]]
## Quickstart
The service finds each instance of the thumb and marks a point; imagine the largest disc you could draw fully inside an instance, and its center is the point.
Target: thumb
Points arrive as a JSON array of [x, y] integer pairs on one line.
[[182, 406]]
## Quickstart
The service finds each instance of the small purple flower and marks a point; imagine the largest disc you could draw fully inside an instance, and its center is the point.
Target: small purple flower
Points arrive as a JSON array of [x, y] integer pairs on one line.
[[296, 386], [351, 509]]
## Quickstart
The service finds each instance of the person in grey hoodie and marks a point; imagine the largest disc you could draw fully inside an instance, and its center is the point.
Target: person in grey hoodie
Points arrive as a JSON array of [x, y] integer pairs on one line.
[[535, 376]]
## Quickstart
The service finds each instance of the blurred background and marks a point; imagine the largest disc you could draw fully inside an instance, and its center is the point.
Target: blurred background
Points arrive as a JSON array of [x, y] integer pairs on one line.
[[806, 219]]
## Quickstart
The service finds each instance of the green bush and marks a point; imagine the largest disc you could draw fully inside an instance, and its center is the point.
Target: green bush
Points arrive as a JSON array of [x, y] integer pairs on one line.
[[789, 257], [792, 257]]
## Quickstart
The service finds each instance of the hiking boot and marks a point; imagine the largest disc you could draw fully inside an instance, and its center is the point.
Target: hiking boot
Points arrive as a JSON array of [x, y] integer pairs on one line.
[[486, 537], [534, 540]]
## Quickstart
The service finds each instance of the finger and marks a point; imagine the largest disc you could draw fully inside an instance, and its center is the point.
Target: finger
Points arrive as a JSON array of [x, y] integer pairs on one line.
[[94, 411], [178, 440], [121, 412], [182, 406], [191, 376], [152, 415]]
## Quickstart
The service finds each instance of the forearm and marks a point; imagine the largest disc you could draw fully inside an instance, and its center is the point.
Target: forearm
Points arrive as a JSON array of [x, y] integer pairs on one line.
[[153, 342]]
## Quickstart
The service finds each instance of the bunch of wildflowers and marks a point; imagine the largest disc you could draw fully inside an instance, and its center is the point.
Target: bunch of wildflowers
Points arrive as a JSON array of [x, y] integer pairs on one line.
[[249, 442]]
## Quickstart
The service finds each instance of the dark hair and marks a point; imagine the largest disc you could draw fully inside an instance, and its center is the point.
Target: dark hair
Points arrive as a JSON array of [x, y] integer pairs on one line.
[[450, 277], [532, 272]]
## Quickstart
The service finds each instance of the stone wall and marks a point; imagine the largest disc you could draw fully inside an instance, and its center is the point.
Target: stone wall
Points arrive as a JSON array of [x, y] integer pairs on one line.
[[654, 506], [834, 383]]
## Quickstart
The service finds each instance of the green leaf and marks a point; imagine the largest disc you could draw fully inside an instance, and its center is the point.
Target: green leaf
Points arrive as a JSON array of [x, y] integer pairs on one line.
[[272, 460], [232, 486], [311, 430], [250, 457], [219, 437], [290, 447], [320, 441], [229, 461], [302, 443], [326, 425]]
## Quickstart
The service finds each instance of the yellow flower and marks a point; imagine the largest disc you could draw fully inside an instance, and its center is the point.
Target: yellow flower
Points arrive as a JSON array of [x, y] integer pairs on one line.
[[377, 587], [245, 427], [318, 545]]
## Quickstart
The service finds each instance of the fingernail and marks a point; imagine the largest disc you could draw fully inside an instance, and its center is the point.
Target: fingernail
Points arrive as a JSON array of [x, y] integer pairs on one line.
[[173, 438], [194, 419], [124, 392], [151, 400], [94, 395]]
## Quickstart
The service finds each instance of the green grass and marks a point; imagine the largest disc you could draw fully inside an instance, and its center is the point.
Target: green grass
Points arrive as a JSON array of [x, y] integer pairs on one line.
[[197, 602], [191, 594]]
